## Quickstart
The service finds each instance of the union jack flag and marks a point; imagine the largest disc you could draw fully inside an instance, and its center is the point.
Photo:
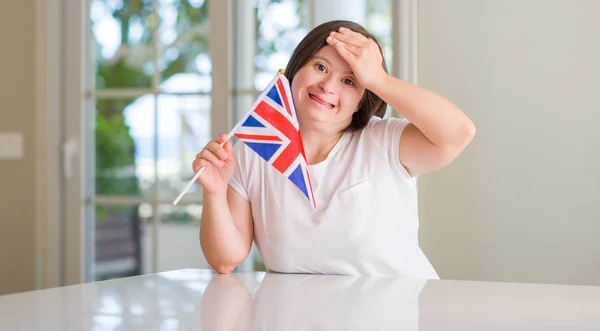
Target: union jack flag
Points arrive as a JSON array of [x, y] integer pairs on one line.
[[270, 128]]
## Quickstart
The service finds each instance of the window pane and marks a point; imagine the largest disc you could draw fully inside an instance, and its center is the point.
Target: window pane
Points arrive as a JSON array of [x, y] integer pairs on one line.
[[183, 36], [119, 239], [281, 26], [178, 241], [183, 130], [122, 31], [124, 146], [379, 23]]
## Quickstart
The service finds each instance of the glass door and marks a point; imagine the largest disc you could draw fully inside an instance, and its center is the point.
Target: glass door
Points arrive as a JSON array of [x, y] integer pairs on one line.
[[149, 106]]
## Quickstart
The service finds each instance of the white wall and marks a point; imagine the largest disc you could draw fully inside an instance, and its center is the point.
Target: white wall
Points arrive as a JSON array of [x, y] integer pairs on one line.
[[523, 202]]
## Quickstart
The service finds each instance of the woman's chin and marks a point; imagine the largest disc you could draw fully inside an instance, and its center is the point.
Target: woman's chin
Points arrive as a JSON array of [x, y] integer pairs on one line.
[[314, 118]]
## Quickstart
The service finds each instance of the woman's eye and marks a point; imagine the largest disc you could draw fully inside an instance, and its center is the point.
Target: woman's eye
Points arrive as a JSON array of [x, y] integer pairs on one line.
[[348, 81], [320, 67]]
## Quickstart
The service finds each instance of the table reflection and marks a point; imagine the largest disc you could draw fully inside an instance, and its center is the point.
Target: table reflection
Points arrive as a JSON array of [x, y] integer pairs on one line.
[[312, 302], [201, 300]]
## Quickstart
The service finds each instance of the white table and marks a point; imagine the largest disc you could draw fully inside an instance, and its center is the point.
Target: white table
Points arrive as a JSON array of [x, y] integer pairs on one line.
[[200, 300]]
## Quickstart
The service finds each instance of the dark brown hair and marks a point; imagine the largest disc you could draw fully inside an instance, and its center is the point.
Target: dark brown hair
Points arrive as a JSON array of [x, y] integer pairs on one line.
[[370, 103]]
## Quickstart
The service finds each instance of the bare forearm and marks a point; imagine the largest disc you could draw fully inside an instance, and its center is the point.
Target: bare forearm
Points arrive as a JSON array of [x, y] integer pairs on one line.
[[221, 241], [438, 119]]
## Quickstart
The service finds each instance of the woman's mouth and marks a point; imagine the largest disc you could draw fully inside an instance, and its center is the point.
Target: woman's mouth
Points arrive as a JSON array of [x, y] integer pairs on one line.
[[320, 101]]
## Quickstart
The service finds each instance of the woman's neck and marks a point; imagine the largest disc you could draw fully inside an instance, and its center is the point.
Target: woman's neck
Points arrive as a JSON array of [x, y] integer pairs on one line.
[[317, 145]]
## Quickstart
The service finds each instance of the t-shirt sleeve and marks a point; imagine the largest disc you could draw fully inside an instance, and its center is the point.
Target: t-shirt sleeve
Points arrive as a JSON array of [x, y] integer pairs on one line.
[[239, 180], [386, 134]]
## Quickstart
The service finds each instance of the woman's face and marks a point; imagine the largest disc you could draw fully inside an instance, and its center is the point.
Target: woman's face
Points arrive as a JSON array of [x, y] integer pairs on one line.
[[326, 92]]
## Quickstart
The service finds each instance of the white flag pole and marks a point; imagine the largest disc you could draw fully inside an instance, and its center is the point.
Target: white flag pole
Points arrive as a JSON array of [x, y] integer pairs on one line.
[[231, 133]]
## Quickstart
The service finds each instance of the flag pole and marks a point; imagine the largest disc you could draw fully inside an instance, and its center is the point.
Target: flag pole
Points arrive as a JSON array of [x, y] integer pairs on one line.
[[229, 135]]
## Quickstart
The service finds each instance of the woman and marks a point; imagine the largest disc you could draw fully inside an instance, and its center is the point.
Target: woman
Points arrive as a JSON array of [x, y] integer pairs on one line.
[[362, 169]]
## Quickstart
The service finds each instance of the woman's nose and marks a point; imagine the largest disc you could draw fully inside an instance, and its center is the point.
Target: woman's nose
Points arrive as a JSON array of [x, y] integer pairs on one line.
[[327, 85]]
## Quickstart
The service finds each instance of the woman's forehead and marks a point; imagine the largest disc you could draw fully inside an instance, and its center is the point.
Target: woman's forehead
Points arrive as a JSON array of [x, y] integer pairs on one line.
[[331, 57]]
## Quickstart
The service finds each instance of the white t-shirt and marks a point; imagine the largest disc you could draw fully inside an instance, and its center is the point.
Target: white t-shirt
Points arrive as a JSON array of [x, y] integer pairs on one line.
[[366, 222]]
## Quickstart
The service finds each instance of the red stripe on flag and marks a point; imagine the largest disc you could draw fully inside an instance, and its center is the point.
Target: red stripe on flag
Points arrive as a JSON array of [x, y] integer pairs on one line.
[[285, 97], [256, 137], [310, 185]]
